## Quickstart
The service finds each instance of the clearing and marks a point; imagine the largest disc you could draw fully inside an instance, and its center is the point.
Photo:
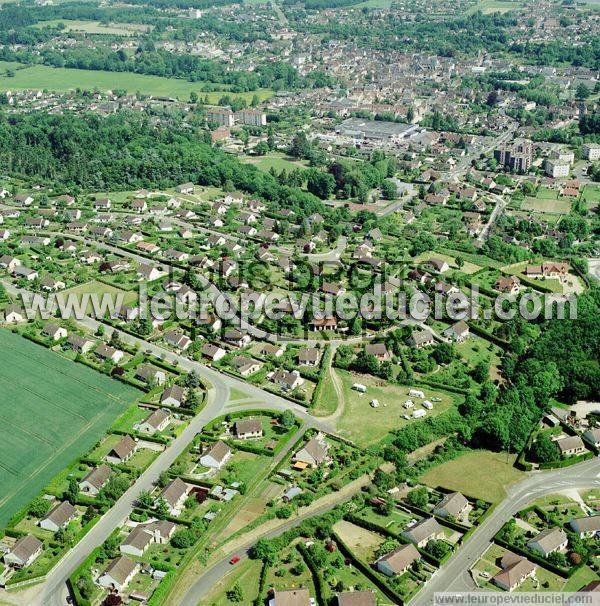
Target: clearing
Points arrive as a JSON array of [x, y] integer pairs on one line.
[[53, 411], [480, 474]]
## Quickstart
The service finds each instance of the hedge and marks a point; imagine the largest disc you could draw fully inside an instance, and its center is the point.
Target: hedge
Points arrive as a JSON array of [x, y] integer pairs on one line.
[[325, 361], [484, 334], [317, 575], [567, 462], [530, 555]]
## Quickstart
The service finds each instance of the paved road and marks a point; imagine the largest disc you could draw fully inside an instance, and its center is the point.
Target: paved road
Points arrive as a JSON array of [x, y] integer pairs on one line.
[[498, 209], [454, 576]]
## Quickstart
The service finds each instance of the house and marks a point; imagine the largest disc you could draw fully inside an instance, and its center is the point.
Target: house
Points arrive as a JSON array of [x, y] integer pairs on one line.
[[4, 234], [54, 332], [313, 453], [148, 272], [216, 456], [79, 344], [177, 339], [291, 597], [356, 598], [174, 494], [127, 313], [510, 285], [379, 350], [8, 262], [423, 532], [438, 265], [148, 373], [107, 353], [321, 324], [25, 272], [453, 505], [185, 188], [309, 356], [398, 561], [458, 332], [95, 480], [570, 446], [122, 451], [421, 338], [287, 380], [548, 541], [592, 437], [158, 420], [173, 396], [119, 574], [58, 517], [23, 200], [24, 552], [144, 535], [13, 314], [246, 366], [515, 570], [213, 352], [247, 429], [587, 526], [291, 493], [102, 204], [272, 349], [236, 337], [176, 255], [51, 285], [147, 247]]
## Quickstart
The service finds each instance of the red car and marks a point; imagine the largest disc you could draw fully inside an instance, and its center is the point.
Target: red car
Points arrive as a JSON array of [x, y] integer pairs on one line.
[[235, 559]]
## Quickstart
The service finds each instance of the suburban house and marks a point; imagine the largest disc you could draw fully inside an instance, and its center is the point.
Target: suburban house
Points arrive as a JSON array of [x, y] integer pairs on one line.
[[356, 598], [51, 285], [515, 570], [157, 420], [548, 270], [379, 350], [458, 332], [236, 337], [309, 356], [247, 429], [291, 597], [24, 552], [592, 436], [312, 454], [246, 366], [570, 446], [58, 517], [438, 265], [54, 332], [95, 480], [79, 344], [25, 272], [173, 396], [148, 272], [213, 352], [123, 451], [177, 339], [143, 535], [13, 314], [421, 338], [510, 285], [423, 532], [453, 505], [398, 561], [216, 456], [106, 352], [119, 574], [148, 373], [287, 380], [548, 541], [174, 494], [587, 526], [8, 262]]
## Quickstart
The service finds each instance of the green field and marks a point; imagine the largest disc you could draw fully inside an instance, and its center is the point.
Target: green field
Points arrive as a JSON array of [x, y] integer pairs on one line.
[[95, 27], [480, 474], [495, 6], [64, 79], [52, 411], [277, 161]]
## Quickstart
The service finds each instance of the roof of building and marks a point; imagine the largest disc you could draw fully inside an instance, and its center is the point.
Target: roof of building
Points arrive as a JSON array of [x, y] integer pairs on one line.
[[98, 476], [120, 568], [550, 539], [399, 559], [60, 514], [453, 503], [244, 426], [174, 490], [25, 547], [356, 598]]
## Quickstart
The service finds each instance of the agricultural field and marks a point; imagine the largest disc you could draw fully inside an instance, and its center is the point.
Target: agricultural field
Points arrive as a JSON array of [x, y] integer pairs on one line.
[[495, 6], [95, 27], [366, 425], [58, 410], [479, 474], [65, 79]]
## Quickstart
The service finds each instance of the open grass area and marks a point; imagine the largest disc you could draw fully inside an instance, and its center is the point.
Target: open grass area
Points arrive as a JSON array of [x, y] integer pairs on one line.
[[580, 579], [547, 205], [58, 410], [328, 399], [366, 425], [362, 542], [64, 79], [467, 268], [95, 27], [275, 160], [495, 6], [100, 289], [480, 474], [246, 575]]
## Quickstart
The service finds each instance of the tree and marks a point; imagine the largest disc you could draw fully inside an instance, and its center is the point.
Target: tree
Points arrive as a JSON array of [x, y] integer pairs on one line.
[[39, 507], [300, 147], [557, 558], [418, 497], [438, 549], [235, 594], [320, 184], [265, 551], [582, 92], [544, 450], [145, 499], [183, 539], [287, 418], [261, 148], [389, 190]]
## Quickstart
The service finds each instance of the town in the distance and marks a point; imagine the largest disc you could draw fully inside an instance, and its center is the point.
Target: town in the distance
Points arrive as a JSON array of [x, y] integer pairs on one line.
[[299, 302]]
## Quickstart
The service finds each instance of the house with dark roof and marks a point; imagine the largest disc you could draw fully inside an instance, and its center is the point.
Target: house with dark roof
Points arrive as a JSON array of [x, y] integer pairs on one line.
[[93, 482], [398, 561]]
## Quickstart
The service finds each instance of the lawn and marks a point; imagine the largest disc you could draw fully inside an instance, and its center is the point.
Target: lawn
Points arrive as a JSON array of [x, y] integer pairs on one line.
[[361, 542], [277, 161], [580, 579], [480, 474], [495, 6], [58, 410], [366, 425], [95, 27], [246, 574], [64, 79], [547, 205], [467, 268], [114, 295], [328, 399]]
